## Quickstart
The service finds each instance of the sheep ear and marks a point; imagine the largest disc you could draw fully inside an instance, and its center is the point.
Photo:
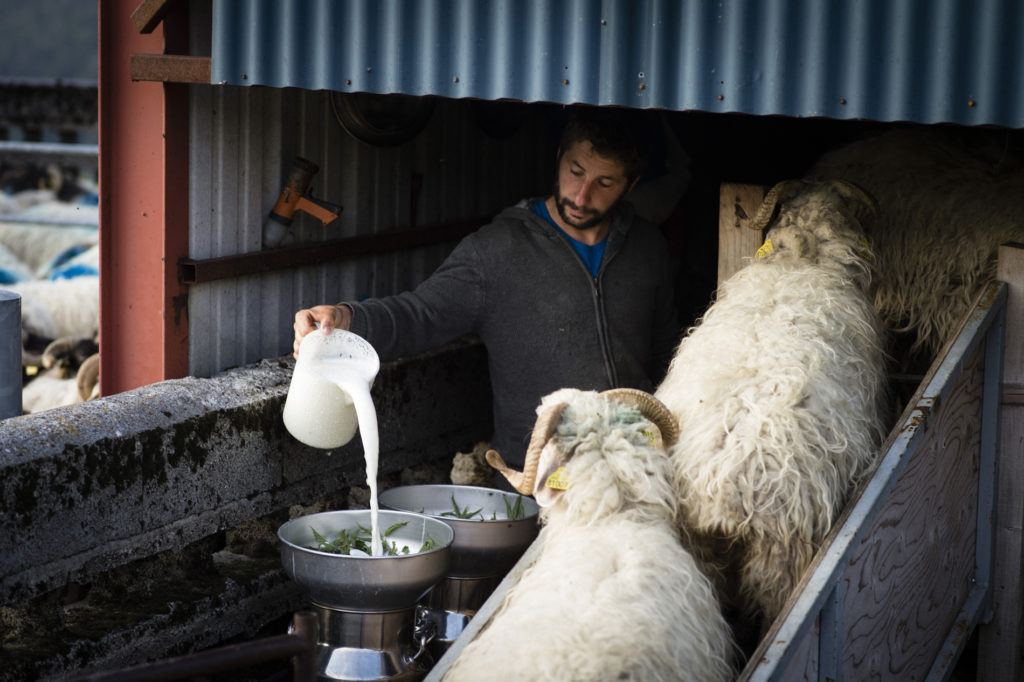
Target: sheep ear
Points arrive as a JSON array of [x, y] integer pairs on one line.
[[547, 422], [766, 211], [551, 481], [523, 480]]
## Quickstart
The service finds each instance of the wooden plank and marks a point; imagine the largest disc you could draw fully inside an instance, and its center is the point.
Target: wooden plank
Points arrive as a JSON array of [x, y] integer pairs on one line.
[[777, 649], [911, 574], [736, 241], [805, 664], [148, 15], [170, 68], [1001, 641]]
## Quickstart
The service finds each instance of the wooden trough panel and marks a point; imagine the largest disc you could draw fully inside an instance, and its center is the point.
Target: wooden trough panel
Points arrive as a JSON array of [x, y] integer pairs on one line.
[[904, 577]]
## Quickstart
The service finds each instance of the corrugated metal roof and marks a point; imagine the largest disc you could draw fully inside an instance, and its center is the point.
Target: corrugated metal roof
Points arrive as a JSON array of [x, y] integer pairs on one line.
[[927, 61]]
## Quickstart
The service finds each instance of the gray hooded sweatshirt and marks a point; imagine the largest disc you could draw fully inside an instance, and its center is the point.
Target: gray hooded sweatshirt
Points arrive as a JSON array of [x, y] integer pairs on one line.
[[546, 323]]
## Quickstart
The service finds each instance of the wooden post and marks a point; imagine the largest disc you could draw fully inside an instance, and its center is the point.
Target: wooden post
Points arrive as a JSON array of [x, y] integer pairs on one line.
[[143, 167], [1001, 640], [736, 241]]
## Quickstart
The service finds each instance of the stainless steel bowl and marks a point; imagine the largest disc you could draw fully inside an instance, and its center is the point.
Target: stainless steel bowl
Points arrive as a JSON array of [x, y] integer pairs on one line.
[[482, 547], [365, 583]]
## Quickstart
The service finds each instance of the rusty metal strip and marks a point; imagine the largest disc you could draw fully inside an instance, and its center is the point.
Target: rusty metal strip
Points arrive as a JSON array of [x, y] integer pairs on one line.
[[191, 271], [170, 68]]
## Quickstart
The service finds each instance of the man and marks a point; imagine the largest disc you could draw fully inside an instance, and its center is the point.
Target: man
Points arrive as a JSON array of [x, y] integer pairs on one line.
[[569, 291]]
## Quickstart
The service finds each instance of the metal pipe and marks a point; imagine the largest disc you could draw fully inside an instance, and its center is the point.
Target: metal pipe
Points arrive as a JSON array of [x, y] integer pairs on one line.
[[10, 354], [299, 645], [50, 150], [191, 271]]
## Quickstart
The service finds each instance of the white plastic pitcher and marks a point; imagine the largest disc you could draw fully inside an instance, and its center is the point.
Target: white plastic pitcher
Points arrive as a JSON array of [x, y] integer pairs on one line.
[[317, 411]]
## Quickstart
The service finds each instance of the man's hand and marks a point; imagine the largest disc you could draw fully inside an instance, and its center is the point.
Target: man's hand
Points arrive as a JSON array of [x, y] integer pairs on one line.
[[328, 317]]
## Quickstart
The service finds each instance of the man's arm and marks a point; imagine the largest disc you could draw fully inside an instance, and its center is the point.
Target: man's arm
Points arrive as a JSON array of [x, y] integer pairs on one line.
[[445, 306]]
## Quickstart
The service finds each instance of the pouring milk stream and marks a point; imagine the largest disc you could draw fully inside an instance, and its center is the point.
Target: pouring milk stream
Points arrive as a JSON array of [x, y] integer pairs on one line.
[[329, 394]]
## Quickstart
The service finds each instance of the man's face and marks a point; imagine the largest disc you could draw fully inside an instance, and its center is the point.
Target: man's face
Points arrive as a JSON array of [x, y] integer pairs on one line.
[[588, 186]]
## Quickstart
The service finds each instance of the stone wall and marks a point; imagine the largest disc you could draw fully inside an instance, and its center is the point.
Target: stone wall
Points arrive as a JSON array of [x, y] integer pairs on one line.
[[116, 494]]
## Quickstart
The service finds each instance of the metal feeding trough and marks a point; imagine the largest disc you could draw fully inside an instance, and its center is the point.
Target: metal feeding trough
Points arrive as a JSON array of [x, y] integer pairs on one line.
[[486, 546], [368, 627]]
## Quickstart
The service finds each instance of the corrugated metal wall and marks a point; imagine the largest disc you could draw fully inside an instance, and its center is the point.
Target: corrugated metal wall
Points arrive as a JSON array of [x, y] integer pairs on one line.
[[927, 61], [243, 139]]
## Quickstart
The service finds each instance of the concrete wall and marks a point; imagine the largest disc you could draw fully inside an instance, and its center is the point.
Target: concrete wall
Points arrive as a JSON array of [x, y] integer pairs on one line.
[[88, 489]]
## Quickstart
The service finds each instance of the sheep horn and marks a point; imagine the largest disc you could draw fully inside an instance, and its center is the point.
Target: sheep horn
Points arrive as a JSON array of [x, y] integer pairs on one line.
[[854, 192], [774, 197], [766, 210], [88, 377], [57, 350], [524, 480], [651, 408]]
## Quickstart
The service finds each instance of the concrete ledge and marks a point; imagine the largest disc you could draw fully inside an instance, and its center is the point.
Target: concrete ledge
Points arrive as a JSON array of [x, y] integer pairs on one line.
[[91, 487]]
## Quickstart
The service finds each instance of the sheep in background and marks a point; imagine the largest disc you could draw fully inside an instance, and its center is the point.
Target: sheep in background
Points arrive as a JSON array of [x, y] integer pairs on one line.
[[85, 264], [612, 593], [12, 269], [470, 468], [68, 354], [944, 208], [71, 376], [41, 246], [65, 307], [779, 391]]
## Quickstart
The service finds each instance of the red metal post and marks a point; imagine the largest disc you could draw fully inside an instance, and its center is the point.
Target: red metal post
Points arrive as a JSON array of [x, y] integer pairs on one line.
[[143, 164]]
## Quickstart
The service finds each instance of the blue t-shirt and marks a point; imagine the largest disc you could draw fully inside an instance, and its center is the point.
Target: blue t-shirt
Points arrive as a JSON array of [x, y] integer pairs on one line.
[[590, 255]]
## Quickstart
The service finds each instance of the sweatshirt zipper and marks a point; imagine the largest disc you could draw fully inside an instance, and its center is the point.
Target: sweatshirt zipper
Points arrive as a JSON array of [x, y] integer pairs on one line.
[[602, 333], [595, 290], [602, 324]]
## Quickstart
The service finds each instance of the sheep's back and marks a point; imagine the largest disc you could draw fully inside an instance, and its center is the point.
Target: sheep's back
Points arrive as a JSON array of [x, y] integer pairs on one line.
[[944, 208], [603, 601], [55, 309], [777, 392]]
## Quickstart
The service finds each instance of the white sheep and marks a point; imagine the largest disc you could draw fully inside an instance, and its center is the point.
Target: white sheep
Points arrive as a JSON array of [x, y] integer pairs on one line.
[[944, 208], [85, 264], [12, 269], [779, 391], [62, 385], [39, 246], [65, 307], [612, 593]]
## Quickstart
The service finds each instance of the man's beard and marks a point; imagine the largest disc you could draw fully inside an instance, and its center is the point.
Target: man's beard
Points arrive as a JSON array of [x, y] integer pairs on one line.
[[595, 219]]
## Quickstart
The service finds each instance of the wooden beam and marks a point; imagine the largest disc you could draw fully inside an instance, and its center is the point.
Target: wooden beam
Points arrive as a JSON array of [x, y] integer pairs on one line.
[[736, 241], [149, 14], [1002, 639], [170, 68]]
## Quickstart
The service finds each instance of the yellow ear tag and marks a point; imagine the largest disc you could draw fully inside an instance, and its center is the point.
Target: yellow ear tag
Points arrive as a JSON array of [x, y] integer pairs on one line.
[[557, 480], [765, 250]]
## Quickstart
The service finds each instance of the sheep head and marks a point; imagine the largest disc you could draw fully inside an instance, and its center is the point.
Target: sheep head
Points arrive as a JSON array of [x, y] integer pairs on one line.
[[619, 421], [818, 222]]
